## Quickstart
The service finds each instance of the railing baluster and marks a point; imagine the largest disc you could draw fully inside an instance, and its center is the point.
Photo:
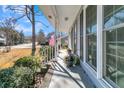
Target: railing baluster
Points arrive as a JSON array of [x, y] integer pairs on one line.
[[51, 52], [47, 55]]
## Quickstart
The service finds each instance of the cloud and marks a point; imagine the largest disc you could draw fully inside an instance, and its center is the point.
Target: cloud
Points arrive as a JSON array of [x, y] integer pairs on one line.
[[18, 7], [27, 21], [28, 30], [38, 26], [25, 29], [4, 8]]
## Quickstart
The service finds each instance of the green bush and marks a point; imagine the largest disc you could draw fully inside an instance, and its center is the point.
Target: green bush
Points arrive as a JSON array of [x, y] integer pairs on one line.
[[5, 78], [31, 62], [21, 74], [17, 77], [23, 77]]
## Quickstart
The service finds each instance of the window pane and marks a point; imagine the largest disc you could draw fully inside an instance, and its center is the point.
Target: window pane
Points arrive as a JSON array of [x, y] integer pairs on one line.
[[91, 20], [91, 34], [72, 39], [114, 55], [120, 72], [120, 35], [111, 42], [91, 41], [120, 57], [111, 48], [108, 9], [108, 16], [81, 36], [111, 36], [118, 14], [87, 21], [120, 49], [111, 67], [113, 15], [75, 38]]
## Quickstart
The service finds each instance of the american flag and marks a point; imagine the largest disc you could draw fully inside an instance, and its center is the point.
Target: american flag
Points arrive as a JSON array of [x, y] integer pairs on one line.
[[52, 40]]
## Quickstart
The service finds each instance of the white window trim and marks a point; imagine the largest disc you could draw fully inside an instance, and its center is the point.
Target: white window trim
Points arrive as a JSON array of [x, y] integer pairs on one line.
[[84, 34], [99, 41]]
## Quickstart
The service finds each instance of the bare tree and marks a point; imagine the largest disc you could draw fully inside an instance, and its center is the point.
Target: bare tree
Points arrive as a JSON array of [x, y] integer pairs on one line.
[[29, 12], [22, 37], [8, 25], [41, 37], [14, 37]]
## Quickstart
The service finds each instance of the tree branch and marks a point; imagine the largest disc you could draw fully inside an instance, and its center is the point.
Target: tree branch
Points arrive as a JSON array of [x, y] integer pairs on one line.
[[28, 14]]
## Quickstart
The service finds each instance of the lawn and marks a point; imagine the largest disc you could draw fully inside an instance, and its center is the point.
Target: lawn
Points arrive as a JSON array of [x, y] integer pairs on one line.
[[8, 59]]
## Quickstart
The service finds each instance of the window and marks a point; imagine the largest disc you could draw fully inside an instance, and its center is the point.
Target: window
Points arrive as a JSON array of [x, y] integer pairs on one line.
[[72, 39], [81, 36], [91, 34], [75, 37], [114, 45]]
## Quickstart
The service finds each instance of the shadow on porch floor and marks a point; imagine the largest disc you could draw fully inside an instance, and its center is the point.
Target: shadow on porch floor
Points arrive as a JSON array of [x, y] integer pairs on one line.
[[73, 77]]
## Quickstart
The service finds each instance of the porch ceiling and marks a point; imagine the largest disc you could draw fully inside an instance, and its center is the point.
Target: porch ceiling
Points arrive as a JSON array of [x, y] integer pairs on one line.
[[65, 15]]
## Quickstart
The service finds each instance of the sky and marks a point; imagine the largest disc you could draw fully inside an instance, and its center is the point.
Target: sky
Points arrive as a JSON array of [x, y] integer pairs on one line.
[[24, 24]]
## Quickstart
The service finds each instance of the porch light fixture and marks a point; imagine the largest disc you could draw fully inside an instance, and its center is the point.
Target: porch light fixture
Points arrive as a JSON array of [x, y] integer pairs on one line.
[[49, 16], [66, 18]]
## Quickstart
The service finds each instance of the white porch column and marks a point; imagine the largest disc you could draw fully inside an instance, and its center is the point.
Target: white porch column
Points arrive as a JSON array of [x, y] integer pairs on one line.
[[69, 39], [78, 36], [55, 39], [99, 41], [60, 40], [47, 54], [84, 34]]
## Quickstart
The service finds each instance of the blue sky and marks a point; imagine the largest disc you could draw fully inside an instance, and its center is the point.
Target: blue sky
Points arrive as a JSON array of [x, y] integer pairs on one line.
[[24, 24]]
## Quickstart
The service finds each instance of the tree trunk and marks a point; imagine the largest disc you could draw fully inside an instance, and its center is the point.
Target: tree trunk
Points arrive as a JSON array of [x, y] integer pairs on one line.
[[33, 31]]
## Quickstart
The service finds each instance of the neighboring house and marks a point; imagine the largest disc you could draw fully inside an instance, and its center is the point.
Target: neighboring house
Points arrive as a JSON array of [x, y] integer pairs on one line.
[[2, 38]]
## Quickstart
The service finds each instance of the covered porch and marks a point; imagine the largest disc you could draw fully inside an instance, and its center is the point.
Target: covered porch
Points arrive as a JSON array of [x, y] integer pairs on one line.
[[63, 18]]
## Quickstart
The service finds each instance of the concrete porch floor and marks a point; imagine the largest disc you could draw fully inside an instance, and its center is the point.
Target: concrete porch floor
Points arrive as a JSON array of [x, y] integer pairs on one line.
[[73, 77]]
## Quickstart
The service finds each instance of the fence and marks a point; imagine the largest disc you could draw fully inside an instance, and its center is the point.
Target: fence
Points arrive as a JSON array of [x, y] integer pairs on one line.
[[47, 53]]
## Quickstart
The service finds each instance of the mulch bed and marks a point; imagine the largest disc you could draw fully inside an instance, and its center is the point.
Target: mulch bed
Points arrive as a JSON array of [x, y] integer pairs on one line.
[[42, 79]]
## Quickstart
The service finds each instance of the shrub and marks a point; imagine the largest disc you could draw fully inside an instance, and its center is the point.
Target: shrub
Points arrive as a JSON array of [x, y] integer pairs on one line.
[[16, 77], [23, 77], [21, 74], [5, 80], [31, 62]]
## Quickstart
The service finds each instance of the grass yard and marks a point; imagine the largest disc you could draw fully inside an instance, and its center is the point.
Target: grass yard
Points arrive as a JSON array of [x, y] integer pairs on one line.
[[8, 59]]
